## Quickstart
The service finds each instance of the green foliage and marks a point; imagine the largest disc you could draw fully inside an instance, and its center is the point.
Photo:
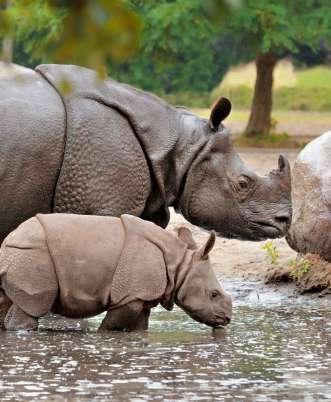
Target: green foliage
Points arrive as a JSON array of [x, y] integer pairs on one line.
[[279, 26], [177, 49], [85, 32], [299, 268], [188, 99], [267, 31], [271, 251]]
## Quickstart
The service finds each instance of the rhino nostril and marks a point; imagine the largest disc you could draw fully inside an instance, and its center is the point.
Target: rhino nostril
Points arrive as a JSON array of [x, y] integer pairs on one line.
[[227, 320]]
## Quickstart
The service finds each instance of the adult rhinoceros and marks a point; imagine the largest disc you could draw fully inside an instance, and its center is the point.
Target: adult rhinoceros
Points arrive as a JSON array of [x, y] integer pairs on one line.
[[106, 148]]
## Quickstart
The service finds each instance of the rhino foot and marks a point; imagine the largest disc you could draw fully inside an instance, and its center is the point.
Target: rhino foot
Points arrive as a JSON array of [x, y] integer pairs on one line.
[[16, 320]]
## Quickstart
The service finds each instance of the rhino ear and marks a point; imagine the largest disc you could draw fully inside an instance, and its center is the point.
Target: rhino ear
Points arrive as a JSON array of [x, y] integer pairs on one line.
[[220, 111], [205, 250], [185, 235]]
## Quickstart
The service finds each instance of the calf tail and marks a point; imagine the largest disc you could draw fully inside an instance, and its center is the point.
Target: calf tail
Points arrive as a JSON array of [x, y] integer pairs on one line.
[[5, 302]]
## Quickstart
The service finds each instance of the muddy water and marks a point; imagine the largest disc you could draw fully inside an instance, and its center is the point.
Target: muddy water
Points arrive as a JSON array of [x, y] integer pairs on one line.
[[275, 349]]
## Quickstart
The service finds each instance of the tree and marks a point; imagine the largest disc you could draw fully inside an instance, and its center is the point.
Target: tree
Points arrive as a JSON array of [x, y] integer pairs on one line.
[[268, 30], [178, 48]]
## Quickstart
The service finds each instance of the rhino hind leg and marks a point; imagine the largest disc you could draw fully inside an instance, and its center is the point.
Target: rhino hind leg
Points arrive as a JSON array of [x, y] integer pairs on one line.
[[16, 319], [5, 304]]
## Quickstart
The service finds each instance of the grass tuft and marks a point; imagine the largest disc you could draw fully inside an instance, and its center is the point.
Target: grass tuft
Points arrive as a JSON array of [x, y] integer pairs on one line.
[[272, 140]]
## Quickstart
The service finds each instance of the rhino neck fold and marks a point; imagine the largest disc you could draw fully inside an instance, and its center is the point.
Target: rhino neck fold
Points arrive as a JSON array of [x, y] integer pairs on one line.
[[176, 274], [171, 162]]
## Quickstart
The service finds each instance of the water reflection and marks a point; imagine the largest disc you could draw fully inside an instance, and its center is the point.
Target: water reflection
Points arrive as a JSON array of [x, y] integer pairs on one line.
[[278, 353]]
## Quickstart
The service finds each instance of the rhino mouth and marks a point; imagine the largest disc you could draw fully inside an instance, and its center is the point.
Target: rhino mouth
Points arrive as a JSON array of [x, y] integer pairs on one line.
[[272, 230]]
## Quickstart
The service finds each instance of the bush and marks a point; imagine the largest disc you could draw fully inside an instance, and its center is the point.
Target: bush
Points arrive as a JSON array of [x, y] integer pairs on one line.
[[318, 98], [240, 96], [188, 99]]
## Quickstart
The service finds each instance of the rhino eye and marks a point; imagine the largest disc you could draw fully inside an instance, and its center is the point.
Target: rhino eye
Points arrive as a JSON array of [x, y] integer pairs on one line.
[[214, 294], [243, 182]]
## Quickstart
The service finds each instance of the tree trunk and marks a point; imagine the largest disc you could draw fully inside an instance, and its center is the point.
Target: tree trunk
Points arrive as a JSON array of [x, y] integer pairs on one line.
[[7, 44], [7, 50], [260, 117]]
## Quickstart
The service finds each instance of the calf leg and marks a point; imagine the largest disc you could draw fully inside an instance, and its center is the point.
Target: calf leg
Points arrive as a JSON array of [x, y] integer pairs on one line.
[[5, 304], [16, 319], [133, 316]]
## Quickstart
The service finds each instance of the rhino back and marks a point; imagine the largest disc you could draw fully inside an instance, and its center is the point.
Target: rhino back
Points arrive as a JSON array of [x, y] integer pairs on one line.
[[104, 170], [85, 250], [32, 128]]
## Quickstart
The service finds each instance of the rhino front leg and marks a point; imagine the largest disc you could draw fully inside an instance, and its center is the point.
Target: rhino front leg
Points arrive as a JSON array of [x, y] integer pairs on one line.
[[5, 304], [16, 319], [133, 316]]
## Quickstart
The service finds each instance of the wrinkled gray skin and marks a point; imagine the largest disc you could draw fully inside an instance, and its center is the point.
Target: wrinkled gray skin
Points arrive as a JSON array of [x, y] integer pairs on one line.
[[109, 149], [200, 295], [176, 271]]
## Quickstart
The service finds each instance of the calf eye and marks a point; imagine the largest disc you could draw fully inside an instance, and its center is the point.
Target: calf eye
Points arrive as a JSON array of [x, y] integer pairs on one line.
[[243, 183], [214, 294]]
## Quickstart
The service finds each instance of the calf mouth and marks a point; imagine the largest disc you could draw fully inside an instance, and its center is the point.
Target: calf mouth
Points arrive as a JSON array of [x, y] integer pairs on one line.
[[220, 322]]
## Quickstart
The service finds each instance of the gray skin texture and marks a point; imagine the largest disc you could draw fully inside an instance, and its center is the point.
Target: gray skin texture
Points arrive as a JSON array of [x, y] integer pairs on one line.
[[138, 265], [106, 148]]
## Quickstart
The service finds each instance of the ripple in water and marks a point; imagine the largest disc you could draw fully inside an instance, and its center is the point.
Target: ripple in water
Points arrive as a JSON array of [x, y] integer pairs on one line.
[[265, 354]]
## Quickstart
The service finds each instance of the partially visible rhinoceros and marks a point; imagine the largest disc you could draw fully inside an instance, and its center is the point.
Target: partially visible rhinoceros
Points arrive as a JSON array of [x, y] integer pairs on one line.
[[79, 266], [105, 148], [310, 231]]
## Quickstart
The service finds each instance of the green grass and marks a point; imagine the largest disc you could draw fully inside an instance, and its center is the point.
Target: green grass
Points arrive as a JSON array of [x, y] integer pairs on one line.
[[272, 140], [316, 77]]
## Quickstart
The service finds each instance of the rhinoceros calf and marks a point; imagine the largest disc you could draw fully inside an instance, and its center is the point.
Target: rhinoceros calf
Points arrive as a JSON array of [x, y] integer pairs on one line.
[[79, 266]]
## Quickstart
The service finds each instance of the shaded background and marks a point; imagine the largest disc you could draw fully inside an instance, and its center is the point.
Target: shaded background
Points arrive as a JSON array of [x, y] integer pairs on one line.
[[191, 52]]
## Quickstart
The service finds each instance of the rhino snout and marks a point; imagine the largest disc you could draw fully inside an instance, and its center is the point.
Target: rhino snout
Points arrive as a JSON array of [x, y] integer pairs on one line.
[[223, 317], [283, 220]]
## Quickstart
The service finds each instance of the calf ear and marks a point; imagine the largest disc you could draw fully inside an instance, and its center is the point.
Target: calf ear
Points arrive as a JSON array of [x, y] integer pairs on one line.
[[205, 250], [185, 235], [220, 111]]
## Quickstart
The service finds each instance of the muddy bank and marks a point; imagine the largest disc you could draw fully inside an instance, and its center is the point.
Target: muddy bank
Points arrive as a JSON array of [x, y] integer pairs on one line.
[[309, 272]]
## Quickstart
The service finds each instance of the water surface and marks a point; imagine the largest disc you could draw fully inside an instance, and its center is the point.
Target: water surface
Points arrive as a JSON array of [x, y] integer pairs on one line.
[[278, 350]]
